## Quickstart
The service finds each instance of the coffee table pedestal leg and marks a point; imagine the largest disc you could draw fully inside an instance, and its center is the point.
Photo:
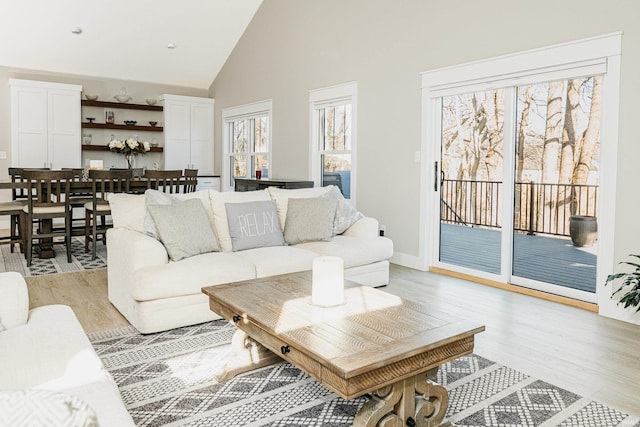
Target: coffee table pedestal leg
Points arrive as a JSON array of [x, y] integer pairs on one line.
[[414, 401], [247, 355]]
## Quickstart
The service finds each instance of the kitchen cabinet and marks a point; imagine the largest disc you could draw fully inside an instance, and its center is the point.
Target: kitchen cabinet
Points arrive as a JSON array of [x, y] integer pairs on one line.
[[188, 133], [45, 131]]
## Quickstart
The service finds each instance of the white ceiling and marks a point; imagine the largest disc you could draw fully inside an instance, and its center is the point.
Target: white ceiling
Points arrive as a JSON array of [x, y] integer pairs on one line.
[[124, 39]]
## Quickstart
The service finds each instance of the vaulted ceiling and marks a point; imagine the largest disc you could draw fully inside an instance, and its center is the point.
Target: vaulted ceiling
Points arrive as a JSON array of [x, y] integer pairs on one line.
[[124, 39]]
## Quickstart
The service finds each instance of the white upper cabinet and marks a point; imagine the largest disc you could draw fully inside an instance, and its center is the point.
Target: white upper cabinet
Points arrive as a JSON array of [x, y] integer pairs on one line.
[[45, 125], [188, 130]]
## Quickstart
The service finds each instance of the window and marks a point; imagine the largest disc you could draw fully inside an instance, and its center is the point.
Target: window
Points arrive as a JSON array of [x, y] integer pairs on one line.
[[333, 137], [247, 136]]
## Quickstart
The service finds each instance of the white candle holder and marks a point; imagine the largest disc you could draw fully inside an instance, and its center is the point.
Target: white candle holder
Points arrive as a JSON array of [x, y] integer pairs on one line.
[[327, 281]]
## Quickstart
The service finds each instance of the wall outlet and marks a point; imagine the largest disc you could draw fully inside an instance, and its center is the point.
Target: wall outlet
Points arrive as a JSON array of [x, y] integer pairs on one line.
[[3, 155], [383, 229]]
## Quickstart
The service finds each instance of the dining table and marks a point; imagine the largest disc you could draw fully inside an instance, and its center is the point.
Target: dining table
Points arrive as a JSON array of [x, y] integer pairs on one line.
[[77, 187]]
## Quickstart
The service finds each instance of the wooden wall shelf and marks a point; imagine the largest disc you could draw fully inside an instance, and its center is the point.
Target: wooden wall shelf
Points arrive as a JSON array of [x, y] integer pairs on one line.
[[87, 103], [86, 125], [106, 148]]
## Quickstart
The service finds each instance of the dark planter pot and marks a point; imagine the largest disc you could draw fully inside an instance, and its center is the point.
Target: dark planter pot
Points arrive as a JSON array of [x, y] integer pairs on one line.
[[583, 230]]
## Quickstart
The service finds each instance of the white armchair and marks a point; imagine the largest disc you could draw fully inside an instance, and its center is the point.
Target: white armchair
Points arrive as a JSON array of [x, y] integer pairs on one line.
[[14, 300], [46, 350]]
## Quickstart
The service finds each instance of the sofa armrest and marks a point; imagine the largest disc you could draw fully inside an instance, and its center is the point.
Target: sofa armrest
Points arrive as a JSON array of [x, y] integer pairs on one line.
[[364, 227], [134, 249], [14, 300]]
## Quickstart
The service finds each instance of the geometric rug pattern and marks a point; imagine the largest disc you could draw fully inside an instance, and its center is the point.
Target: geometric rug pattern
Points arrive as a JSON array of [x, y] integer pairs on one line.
[[165, 379], [79, 259]]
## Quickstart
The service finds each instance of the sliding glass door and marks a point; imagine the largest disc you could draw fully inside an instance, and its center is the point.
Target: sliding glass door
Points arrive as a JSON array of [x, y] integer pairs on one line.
[[556, 184], [471, 175], [518, 181]]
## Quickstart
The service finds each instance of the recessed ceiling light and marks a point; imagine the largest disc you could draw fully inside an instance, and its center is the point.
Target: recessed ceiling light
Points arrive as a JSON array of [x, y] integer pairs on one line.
[[76, 30], [171, 46]]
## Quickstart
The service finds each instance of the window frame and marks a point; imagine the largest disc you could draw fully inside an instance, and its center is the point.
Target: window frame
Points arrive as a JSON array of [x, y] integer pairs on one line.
[[346, 93], [245, 112]]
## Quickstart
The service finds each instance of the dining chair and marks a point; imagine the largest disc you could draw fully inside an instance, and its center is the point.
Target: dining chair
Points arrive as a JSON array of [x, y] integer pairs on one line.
[[77, 200], [13, 208], [190, 180], [49, 201], [167, 181], [103, 183]]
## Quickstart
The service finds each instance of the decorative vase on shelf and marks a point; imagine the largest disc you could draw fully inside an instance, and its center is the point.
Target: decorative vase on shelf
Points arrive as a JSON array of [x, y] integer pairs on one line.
[[131, 160]]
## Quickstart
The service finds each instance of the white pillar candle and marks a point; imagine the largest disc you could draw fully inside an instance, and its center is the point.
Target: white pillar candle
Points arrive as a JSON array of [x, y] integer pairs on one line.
[[327, 281]]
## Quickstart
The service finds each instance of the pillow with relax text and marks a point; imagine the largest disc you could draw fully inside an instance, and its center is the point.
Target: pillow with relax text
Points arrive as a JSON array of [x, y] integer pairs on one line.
[[253, 225]]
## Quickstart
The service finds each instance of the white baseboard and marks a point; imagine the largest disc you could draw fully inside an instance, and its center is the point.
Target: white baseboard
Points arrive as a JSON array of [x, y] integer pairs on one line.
[[410, 261]]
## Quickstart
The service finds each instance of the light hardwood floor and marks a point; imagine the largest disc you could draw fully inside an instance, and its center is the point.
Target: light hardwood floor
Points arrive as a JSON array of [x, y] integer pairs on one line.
[[573, 348]]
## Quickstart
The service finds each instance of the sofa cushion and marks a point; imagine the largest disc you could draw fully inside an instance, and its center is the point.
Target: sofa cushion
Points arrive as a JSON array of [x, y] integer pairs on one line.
[[309, 219], [218, 201], [183, 228], [278, 260], [354, 251], [188, 276], [254, 225], [128, 211], [282, 195]]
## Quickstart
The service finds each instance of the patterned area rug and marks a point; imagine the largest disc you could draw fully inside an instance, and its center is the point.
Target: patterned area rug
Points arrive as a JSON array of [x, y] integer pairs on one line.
[[79, 260], [165, 380]]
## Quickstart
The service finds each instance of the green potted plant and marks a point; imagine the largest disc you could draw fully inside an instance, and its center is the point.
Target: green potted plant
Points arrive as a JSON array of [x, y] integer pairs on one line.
[[630, 285]]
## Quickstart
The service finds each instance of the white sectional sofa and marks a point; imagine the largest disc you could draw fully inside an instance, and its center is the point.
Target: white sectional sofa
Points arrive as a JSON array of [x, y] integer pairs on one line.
[[157, 293], [48, 362]]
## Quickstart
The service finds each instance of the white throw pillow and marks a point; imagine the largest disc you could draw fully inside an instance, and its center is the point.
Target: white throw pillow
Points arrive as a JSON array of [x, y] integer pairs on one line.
[[128, 211], [44, 408], [282, 195], [218, 201]]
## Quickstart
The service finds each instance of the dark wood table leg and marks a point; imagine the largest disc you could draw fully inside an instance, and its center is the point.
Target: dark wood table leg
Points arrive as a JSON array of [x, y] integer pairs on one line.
[[45, 246]]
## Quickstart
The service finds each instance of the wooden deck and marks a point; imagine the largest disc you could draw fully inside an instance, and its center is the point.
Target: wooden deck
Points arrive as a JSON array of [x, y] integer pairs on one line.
[[547, 259]]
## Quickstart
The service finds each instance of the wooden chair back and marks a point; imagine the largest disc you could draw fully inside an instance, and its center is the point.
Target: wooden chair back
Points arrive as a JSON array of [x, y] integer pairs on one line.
[[104, 182], [167, 181], [190, 180], [50, 188], [16, 176]]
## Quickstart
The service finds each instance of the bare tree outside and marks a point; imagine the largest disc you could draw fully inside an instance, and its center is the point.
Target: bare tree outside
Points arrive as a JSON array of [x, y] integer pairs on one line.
[[557, 153]]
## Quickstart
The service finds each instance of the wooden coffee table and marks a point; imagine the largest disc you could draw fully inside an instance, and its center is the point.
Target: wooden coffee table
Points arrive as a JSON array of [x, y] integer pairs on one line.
[[375, 343]]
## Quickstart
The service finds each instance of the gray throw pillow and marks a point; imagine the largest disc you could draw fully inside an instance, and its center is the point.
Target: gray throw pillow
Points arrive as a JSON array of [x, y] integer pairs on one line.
[[183, 228], [346, 214], [309, 220], [154, 197], [253, 225]]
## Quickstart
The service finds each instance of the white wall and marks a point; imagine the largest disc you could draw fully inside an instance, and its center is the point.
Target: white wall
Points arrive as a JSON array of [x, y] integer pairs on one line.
[[293, 46]]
